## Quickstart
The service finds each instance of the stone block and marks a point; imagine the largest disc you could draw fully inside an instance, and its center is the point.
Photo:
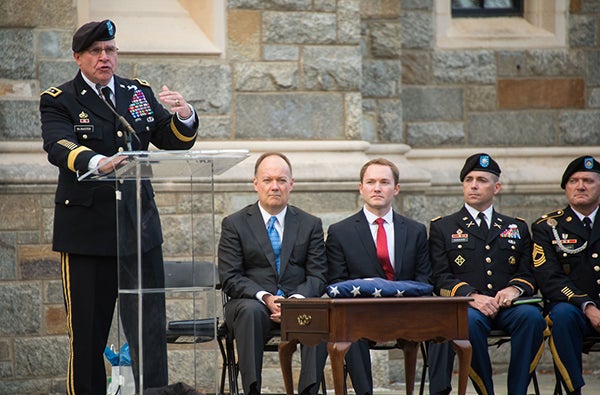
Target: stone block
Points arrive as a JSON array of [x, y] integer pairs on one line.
[[325, 5], [19, 43], [381, 78], [55, 72], [583, 31], [390, 121], [336, 68], [299, 28], [555, 62], [417, 30], [55, 44], [416, 67], [41, 356], [541, 93], [20, 305], [18, 88], [284, 116], [214, 128], [281, 52], [511, 63], [579, 128], [385, 39], [592, 69], [55, 320], [8, 253], [272, 76], [510, 129], [348, 21], [353, 119], [380, 9], [21, 119], [243, 34], [206, 85], [4, 350], [429, 134], [19, 212], [39, 262], [53, 292], [481, 98], [464, 67], [432, 104], [270, 4], [594, 98]]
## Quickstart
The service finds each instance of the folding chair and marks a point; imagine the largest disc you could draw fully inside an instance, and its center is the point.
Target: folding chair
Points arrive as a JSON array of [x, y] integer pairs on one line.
[[185, 274]]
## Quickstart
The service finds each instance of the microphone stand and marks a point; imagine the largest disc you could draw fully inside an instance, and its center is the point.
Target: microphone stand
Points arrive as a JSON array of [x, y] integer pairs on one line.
[[129, 130]]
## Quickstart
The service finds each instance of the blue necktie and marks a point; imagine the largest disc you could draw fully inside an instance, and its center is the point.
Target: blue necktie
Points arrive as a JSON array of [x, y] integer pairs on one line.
[[276, 244]]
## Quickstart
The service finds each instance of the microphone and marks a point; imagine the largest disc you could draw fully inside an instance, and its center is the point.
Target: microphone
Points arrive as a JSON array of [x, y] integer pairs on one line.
[[129, 130]]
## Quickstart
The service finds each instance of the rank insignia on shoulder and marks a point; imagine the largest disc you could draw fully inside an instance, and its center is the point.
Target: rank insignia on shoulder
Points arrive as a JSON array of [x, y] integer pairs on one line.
[[436, 218], [142, 82], [52, 92], [521, 219]]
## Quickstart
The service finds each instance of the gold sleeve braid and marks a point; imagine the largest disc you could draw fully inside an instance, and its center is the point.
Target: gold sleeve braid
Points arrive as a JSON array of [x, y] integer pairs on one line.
[[75, 150]]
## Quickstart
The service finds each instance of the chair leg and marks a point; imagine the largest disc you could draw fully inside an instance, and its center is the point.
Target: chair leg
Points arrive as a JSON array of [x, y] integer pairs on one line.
[[223, 366], [232, 367], [558, 385], [424, 369]]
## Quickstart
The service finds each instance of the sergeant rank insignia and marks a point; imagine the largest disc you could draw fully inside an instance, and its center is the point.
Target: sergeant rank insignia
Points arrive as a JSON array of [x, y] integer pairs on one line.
[[83, 117]]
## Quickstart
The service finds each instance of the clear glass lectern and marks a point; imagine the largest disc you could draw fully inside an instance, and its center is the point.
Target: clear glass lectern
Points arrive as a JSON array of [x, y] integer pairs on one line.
[[179, 185]]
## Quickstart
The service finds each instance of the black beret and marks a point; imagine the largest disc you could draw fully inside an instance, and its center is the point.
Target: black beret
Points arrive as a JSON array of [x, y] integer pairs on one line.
[[583, 163], [481, 162], [87, 34]]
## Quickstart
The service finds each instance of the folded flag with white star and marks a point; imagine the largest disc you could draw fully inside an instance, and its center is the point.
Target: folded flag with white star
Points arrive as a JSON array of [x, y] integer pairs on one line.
[[377, 288]]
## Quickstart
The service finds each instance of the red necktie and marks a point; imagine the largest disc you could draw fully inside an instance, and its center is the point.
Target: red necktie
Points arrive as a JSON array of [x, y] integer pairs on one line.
[[382, 250]]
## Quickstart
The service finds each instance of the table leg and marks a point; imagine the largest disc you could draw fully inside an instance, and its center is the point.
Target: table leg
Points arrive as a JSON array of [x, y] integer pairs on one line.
[[337, 351], [463, 351], [410, 350], [286, 350]]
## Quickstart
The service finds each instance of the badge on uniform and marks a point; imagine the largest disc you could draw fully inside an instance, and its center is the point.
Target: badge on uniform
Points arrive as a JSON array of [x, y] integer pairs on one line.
[[139, 106], [512, 232], [83, 117], [459, 236]]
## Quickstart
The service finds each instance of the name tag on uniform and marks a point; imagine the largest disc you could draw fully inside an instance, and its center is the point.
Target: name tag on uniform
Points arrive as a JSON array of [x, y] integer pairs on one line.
[[84, 128]]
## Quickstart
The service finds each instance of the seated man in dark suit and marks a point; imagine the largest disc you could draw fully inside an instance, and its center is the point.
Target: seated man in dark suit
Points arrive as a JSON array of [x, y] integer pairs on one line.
[[269, 250], [375, 242]]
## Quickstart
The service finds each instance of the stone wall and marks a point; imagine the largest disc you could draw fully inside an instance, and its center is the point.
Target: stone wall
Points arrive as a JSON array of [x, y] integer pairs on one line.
[[330, 82]]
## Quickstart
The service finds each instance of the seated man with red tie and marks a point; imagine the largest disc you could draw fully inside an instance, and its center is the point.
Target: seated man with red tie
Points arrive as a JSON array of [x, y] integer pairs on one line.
[[375, 242], [481, 253]]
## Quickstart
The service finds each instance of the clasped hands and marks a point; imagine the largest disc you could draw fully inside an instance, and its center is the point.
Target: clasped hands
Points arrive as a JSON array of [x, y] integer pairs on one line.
[[272, 303], [490, 306]]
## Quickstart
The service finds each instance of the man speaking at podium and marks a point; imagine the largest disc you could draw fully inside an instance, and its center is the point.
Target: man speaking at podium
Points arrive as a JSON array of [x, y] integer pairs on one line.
[[85, 121]]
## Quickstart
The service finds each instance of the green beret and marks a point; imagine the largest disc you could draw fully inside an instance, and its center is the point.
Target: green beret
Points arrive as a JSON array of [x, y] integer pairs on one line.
[[91, 32]]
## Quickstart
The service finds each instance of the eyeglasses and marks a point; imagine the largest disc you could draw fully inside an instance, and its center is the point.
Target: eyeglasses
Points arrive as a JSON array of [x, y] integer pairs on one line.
[[97, 51]]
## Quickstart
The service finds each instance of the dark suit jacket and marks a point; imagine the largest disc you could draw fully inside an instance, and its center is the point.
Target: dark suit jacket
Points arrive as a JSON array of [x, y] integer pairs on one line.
[[464, 261], [566, 277], [76, 125], [352, 254], [247, 262]]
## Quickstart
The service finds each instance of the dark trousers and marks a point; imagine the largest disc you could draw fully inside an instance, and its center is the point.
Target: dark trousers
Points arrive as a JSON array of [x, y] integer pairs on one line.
[[358, 366], [90, 288], [569, 327], [526, 326], [248, 320]]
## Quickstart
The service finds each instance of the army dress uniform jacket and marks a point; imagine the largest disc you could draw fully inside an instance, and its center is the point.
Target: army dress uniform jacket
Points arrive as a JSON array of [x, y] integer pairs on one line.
[[76, 125], [464, 261], [565, 269]]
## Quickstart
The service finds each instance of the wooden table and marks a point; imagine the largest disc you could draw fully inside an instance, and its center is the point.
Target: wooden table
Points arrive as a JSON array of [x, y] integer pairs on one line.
[[339, 322]]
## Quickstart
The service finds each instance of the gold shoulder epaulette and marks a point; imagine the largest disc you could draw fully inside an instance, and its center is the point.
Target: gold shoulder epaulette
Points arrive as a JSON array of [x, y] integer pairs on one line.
[[52, 91], [553, 214], [521, 219], [436, 218], [142, 82]]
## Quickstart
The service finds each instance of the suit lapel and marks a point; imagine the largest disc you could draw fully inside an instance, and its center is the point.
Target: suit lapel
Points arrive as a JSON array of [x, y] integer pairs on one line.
[[574, 226], [496, 227], [466, 222], [289, 238], [400, 234], [123, 97]]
